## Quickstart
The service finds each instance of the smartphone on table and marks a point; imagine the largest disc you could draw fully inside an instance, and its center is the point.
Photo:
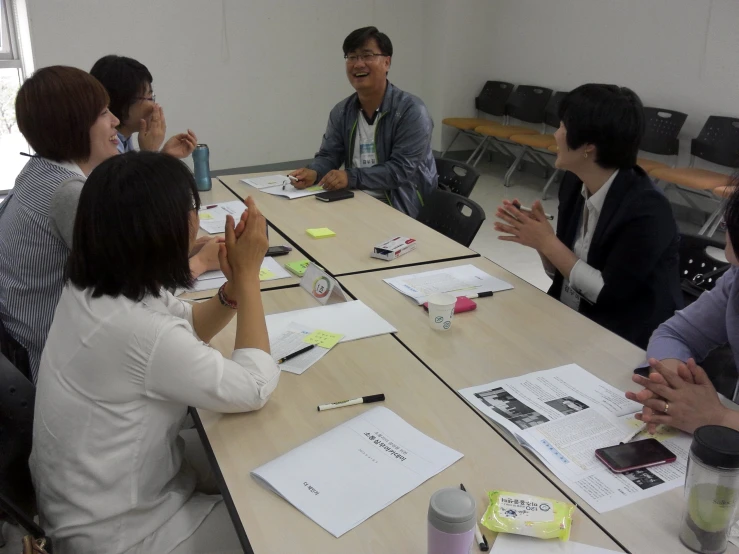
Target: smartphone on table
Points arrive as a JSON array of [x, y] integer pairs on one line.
[[278, 250], [334, 195], [635, 455]]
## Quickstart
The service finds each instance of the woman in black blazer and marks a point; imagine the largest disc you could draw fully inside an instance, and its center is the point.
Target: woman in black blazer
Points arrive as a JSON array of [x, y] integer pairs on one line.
[[614, 257]]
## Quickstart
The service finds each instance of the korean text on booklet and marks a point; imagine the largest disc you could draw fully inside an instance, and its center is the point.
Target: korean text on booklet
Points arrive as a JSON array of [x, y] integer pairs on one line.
[[532, 516]]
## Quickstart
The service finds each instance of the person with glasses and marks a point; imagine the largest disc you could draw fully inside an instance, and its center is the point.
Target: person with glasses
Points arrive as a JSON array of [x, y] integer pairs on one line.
[[132, 100], [381, 134]]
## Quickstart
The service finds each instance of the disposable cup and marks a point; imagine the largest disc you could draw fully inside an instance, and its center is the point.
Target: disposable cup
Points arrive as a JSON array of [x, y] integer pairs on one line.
[[441, 311]]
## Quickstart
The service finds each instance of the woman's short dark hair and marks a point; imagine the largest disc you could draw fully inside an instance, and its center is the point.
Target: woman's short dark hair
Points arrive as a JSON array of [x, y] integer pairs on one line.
[[125, 79], [359, 38], [132, 231], [55, 109], [607, 116]]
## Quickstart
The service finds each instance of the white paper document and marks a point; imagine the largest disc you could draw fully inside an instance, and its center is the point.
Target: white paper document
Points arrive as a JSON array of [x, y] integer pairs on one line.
[[350, 473], [518, 544], [353, 319], [270, 271], [213, 218], [268, 181], [280, 185], [289, 191], [563, 415], [459, 281], [291, 340]]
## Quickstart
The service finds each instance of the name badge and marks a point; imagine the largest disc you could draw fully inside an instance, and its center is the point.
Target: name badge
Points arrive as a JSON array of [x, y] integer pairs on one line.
[[367, 157]]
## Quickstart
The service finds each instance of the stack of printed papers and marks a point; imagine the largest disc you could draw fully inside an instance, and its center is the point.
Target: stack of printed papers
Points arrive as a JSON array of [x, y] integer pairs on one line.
[[350, 473], [280, 185], [564, 415], [459, 281]]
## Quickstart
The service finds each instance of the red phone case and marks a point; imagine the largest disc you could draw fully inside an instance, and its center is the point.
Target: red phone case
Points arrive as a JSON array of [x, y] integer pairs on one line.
[[606, 462], [463, 304]]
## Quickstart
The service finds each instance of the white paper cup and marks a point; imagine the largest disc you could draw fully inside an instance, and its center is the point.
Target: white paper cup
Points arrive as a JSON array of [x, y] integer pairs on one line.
[[441, 311]]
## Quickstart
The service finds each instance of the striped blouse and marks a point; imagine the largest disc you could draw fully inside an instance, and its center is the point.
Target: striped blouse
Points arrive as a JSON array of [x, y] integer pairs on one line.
[[32, 256]]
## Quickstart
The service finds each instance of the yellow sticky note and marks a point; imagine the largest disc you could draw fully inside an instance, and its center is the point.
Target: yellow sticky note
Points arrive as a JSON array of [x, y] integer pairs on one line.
[[324, 339], [314, 187], [320, 233], [206, 215], [265, 274]]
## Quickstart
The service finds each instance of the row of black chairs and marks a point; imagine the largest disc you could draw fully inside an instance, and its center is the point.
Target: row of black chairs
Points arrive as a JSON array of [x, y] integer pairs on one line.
[[717, 142]]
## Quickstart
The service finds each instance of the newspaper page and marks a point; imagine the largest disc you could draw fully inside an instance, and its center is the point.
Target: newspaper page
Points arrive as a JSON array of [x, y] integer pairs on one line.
[[563, 415]]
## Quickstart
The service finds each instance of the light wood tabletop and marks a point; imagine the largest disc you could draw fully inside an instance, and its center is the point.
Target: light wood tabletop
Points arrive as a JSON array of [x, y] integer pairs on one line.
[[359, 223], [219, 193], [517, 332], [243, 442]]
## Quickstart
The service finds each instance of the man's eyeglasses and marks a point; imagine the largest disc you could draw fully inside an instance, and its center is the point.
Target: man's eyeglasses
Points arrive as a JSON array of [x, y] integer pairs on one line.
[[152, 98], [367, 58]]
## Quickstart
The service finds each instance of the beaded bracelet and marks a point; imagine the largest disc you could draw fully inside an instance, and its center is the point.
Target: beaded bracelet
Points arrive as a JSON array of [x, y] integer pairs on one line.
[[225, 300]]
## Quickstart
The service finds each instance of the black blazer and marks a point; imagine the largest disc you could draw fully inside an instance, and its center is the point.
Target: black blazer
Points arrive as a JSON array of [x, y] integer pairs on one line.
[[635, 247]]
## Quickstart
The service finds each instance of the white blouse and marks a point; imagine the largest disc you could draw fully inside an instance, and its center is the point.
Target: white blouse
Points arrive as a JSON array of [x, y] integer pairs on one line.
[[586, 281], [115, 380]]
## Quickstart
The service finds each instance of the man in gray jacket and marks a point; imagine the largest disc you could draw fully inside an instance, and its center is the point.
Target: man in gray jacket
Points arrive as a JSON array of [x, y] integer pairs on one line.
[[381, 134]]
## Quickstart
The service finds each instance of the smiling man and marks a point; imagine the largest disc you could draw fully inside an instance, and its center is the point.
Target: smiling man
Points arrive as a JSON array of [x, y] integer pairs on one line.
[[381, 134]]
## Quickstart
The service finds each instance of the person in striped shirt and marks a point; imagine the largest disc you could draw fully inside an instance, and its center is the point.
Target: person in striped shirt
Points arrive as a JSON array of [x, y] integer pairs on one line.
[[63, 114]]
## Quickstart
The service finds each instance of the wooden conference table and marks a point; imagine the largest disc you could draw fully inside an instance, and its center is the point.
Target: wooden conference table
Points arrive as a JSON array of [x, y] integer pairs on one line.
[[514, 333], [219, 193], [243, 442], [359, 223]]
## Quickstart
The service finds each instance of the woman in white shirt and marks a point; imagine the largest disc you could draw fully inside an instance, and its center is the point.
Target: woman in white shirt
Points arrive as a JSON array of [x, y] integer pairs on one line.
[[124, 359]]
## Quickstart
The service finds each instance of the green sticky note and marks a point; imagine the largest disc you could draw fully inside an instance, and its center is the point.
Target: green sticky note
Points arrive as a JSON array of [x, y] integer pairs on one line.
[[324, 339], [265, 274], [297, 268], [320, 233], [314, 187]]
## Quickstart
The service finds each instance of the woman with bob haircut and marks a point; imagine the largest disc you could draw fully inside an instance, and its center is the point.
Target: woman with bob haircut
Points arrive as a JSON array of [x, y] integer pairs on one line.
[[614, 256], [124, 359], [63, 114]]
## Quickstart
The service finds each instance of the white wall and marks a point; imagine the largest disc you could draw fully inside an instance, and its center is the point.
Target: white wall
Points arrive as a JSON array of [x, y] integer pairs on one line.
[[678, 54], [255, 79]]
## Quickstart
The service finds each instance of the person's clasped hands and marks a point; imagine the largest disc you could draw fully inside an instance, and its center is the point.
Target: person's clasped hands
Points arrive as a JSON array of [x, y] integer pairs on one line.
[[685, 399]]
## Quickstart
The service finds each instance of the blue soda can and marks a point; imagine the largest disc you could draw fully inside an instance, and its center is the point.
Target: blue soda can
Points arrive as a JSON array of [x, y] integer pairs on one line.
[[202, 167]]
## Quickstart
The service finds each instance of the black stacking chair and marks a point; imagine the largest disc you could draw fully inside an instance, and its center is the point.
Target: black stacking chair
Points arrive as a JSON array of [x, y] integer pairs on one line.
[[491, 101], [456, 177], [661, 131], [444, 212], [527, 104], [17, 395]]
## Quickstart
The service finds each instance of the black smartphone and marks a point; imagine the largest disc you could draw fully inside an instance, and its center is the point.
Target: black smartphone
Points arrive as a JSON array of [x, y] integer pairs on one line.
[[278, 250], [643, 371], [635, 455], [334, 195]]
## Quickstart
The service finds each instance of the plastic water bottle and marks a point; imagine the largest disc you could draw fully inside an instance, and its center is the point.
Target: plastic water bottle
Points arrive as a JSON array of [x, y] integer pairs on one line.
[[200, 158]]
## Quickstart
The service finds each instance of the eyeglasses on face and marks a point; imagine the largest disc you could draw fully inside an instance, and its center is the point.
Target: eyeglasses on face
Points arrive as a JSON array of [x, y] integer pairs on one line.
[[366, 57]]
